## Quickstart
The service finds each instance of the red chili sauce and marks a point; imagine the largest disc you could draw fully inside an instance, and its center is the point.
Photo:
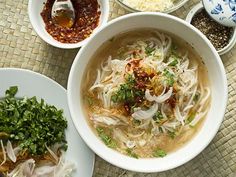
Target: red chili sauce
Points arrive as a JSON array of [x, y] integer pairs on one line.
[[87, 15]]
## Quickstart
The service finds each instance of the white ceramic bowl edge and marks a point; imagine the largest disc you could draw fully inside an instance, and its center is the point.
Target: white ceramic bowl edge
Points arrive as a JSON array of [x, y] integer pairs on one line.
[[217, 78], [36, 7]]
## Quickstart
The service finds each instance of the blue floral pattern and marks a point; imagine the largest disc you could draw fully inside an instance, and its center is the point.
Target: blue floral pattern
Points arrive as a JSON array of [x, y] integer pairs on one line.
[[222, 10], [231, 3], [217, 9]]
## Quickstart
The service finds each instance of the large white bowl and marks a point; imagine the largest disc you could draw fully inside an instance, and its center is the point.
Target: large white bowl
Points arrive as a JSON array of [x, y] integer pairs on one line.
[[35, 7], [218, 84]]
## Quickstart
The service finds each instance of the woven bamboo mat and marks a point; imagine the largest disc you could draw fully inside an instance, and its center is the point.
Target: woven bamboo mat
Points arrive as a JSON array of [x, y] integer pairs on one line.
[[20, 47]]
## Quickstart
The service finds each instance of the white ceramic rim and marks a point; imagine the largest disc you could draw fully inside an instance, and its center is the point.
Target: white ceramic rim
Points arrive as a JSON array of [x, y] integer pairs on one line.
[[59, 86], [119, 159], [103, 21], [170, 10], [232, 41]]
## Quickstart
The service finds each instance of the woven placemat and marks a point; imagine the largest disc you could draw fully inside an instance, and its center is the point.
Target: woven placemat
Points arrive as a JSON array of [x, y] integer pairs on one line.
[[20, 47]]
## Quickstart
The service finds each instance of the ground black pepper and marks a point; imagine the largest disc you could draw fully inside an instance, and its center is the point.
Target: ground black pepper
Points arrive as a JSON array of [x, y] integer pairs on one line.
[[218, 34]]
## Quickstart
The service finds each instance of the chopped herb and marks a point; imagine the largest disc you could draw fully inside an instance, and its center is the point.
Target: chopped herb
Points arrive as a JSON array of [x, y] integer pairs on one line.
[[174, 62], [31, 124], [131, 153], [127, 92], [149, 50], [90, 100], [190, 118], [158, 116], [196, 97], [106, 138], [159, 153], [172, 134], [136, 122], [11, 92], [169, 78]]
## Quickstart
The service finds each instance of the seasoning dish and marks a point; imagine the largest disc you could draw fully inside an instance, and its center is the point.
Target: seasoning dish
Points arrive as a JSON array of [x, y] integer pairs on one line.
[[67, 38], [232, 37], [32, 84], [217, 79], [167, 9]]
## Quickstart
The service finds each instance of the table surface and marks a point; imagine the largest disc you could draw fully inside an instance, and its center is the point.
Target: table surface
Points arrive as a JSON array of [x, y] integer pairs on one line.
[[20, 47]]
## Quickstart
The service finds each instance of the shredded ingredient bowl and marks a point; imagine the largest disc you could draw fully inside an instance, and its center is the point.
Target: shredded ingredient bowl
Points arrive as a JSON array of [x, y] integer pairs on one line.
[[177, 5]]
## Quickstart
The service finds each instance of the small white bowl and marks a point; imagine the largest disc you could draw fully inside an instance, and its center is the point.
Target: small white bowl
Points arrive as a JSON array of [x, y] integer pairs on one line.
[[217, 78], [35, 7], [232, 41]]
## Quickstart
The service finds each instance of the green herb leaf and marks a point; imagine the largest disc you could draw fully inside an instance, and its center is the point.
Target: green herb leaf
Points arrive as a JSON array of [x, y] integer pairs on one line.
[[136, 122], [90, 101], [149, 50], [106, 138], [131, 153], [11, 92], [31, 124], [172, 134], [169, 78], [158, 116], [127, 92], [190, 118], [159, 153], [196, 97], [174, 62]]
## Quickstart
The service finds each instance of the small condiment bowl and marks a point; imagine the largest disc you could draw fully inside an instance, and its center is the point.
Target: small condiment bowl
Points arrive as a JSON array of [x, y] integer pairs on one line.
[[196, 9], [36, 7], [177, 4]]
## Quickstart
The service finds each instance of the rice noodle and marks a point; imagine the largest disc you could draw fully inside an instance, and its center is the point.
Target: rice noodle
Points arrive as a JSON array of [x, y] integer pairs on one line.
[[10, 152], [140, 114], [158, 99], [4, 153], [104, 119], [52, 153]]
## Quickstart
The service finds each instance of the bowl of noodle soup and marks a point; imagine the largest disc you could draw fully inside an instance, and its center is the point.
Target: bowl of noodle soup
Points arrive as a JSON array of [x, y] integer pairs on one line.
[[144, 93]]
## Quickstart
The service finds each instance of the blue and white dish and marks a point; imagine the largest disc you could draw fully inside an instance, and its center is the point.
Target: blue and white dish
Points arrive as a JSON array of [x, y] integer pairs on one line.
[[223, 11], [196, 9]]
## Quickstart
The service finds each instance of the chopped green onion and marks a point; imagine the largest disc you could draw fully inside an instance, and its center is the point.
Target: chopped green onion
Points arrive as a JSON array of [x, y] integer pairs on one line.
[[169, 78], [158, 116], [174, 62], [172, 134], [190, 118], [31, 124], [106, 138], [159, 153], [149, 50], [131, 153]]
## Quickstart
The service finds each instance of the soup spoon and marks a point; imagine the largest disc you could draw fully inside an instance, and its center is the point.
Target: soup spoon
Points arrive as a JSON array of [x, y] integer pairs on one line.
[[63, 13]]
